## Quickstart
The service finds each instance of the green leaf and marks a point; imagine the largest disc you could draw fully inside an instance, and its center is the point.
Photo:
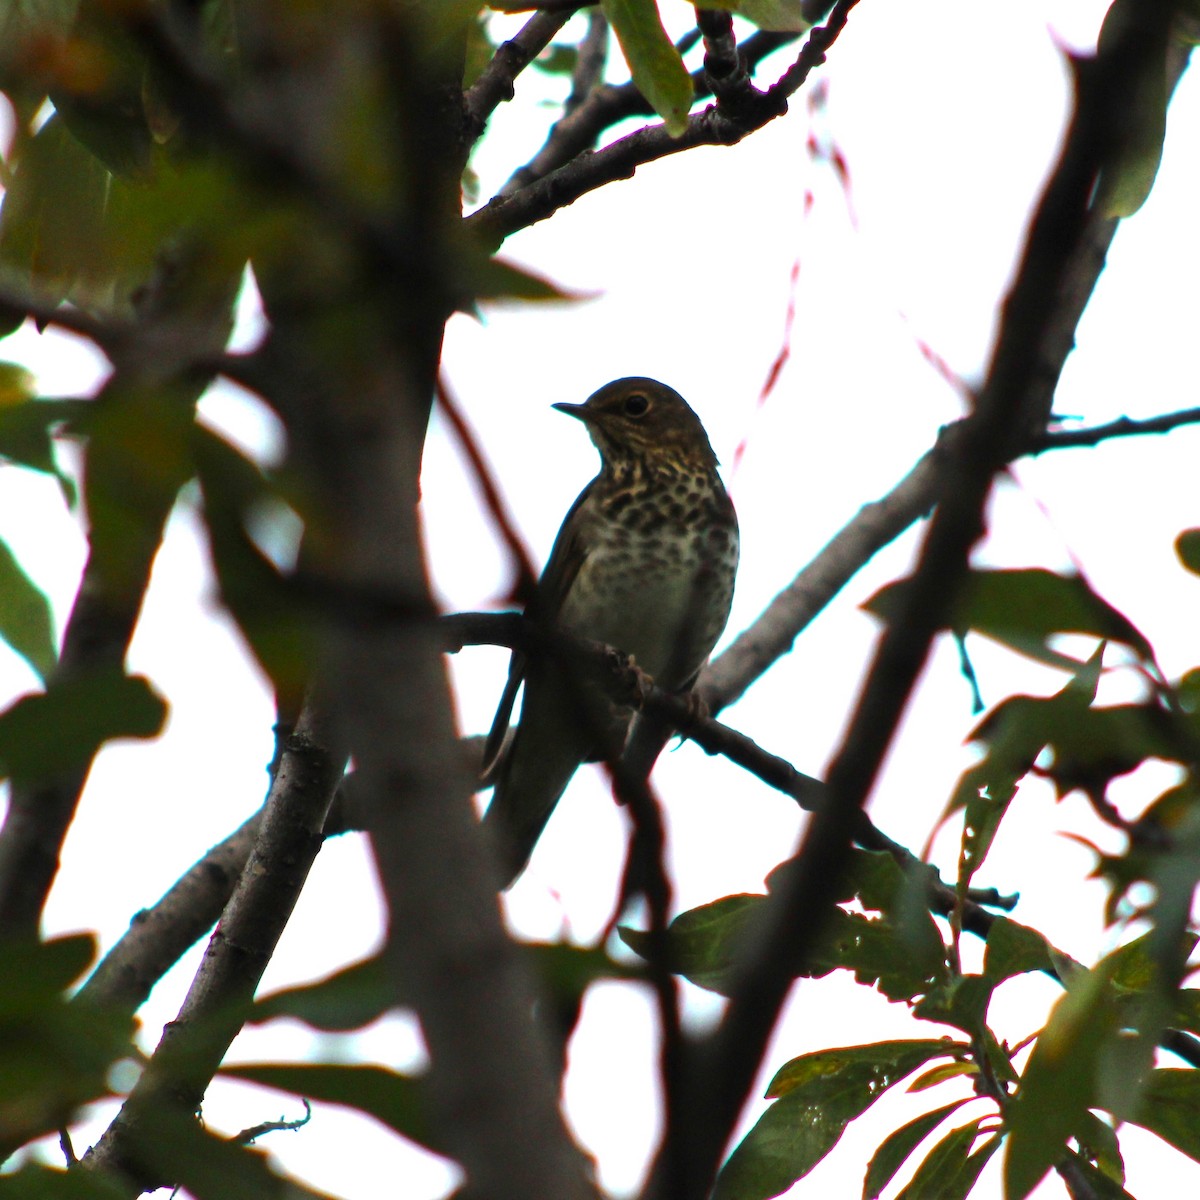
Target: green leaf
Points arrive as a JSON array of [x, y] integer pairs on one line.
[[1090, 747], [1170, 1108], [26, 25], [1187, 1010], [894, 1150], [51, 224], [705, 940], [55, 1056], [489, 278], [26, 440], [393, 1099], [1098, 1145], [1187, 547], [818, 1095], [1059, 1083], [1134, 965], [1128, 174], [62, 728], [900, 951], [36, 971], [657, 69], [26, 621], [1014, 949], [104, 103], [778, 16], [1022, 609], [1015, 739], [277, 619], [34, 1181], [1103, 1186], [949, 1171], [354, 997], [17, 385], [961, 1001]]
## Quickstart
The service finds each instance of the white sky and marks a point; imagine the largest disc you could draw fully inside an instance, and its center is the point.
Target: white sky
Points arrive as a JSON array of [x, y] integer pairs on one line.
[[948, 125]]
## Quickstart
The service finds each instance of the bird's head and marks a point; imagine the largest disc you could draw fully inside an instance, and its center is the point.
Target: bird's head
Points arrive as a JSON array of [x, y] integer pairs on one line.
[[639, 419]]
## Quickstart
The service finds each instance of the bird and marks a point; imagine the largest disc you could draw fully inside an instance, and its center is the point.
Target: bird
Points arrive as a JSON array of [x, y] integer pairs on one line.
[[644, 562]]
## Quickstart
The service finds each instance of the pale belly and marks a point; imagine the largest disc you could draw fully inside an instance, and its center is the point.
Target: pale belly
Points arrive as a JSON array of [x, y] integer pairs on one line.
[[664, 607]]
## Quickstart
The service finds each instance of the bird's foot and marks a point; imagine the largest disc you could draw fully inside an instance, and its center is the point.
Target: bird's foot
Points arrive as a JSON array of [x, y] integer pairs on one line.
[[632, 684], [697, 708]]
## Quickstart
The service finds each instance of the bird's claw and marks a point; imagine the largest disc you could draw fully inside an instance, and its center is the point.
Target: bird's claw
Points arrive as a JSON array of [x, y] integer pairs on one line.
[[633, 684]]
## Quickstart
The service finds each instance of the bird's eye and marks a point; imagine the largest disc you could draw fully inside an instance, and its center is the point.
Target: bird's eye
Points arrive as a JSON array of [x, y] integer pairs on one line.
[[636, 405]]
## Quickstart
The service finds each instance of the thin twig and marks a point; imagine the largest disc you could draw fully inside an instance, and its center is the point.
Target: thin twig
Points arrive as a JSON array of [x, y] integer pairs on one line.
[[1066, 439], [246, 1136]]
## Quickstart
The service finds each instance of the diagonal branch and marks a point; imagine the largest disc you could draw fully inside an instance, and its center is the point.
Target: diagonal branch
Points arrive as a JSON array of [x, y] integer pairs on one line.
[[192, 1046], [1009, 407], [771, 636], [495, 85]]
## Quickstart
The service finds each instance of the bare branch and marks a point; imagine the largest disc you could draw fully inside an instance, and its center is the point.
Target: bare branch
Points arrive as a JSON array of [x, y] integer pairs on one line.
[[158, 936], [1065, 439], [724, 69], [246, 1136], [772, 634], [589, 65], [496, 83], [505, 214], [192, 1046]]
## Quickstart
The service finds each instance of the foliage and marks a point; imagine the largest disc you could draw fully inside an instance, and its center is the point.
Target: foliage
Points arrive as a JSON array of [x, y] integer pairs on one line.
[[141, 183]]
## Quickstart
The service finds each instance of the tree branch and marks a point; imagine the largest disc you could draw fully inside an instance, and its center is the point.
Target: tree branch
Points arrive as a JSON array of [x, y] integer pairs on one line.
[[1066, 439], [771, 636], [506, 213], [511, 58], [1009, 407], [811, 794], [185, 312], [193, 1045], [588, 115], [159, 935]]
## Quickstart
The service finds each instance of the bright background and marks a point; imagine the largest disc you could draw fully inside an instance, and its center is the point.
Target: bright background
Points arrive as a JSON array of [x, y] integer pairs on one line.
[[948, 124]]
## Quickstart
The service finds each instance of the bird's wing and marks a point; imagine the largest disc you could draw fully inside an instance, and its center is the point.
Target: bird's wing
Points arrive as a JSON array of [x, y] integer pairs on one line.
[[566, 557], [493, 748]]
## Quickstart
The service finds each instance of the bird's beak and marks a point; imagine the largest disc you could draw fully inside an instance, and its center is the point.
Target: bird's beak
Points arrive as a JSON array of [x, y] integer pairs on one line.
[[579, 411]]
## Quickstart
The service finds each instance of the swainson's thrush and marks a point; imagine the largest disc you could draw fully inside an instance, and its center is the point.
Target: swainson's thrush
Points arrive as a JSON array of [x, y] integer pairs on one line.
[[644, 562]]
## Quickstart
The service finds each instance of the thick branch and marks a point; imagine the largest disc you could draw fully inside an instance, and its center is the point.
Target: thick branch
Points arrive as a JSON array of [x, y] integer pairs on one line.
[[193, 1045], [771, 636], [1008, 409]]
